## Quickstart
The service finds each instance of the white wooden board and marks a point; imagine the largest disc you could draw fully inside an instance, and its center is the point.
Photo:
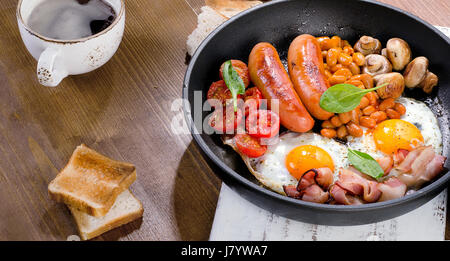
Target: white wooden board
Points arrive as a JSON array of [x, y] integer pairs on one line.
[[239, 220]]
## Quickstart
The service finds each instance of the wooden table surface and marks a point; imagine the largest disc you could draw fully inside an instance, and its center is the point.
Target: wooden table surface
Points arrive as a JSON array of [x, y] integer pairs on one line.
[[122, 110]]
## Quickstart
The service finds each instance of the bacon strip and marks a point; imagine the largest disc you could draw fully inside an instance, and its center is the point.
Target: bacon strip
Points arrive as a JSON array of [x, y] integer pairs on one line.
[[312, 186], [351, 182], [400, 156], [314, 193], [357, 185], [324, 177], [291, 191], [405, 165], [391, 189], [435, 166], [307, 179], [412, 169], [419, 166], [341, 196], [386, 163]]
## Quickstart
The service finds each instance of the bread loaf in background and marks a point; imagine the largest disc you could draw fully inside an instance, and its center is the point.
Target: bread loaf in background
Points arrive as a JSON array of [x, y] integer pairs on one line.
[[213, 14], [230, 8]]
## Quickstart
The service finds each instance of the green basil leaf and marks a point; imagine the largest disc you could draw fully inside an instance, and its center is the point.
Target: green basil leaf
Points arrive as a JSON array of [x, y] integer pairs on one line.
[[343, 97], [365, 163], [233, 81]]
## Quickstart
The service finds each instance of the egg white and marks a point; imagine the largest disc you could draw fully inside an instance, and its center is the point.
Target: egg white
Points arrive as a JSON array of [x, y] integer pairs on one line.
[[424, 119], [270, 169], [418, 114]]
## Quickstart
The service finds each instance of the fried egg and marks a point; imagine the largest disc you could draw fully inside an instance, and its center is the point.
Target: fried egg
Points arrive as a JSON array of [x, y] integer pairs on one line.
[[294, 154], [424, 119], [419, 126]]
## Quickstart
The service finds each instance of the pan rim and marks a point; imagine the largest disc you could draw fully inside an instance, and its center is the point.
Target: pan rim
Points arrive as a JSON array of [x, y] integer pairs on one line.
[[278, 198]]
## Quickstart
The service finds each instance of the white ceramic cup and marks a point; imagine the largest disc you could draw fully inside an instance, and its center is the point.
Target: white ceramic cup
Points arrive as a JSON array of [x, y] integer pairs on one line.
[[60, 58]]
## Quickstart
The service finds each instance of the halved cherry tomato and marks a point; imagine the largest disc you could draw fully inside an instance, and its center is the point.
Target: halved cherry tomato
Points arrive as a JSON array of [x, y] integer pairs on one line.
[[262, 124], [252, 100], [253, 93], [219, 91], [241, 68], [249, 145], [225, 121]]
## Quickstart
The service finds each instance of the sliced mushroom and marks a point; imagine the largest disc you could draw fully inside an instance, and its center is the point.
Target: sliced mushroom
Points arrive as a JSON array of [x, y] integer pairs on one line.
[[429, 82], [376, 64], [395, 87], [368, 45], [398, 52], [415, 72]]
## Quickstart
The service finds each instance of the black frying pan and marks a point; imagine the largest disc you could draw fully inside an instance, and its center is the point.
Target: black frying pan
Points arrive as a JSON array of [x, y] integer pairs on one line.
[[279, 22]]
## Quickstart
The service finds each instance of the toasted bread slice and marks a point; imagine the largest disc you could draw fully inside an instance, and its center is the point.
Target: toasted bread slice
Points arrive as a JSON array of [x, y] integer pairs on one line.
[[91, 182], [230, 8], [126, 209]]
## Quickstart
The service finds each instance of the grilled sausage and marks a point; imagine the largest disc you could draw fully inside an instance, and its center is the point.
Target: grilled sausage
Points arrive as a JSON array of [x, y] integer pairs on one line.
[[269, 75], [307, 73]]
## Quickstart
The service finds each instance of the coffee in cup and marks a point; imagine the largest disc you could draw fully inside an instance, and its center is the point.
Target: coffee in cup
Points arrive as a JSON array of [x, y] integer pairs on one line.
[[71, 19], [70, 37]]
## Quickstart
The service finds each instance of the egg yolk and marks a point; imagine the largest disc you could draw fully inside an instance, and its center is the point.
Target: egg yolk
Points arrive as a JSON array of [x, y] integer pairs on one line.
[[306, 157], [392, 135]]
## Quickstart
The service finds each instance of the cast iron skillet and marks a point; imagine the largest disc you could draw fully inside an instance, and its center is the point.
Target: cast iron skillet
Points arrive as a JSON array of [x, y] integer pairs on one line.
[[279, 23]]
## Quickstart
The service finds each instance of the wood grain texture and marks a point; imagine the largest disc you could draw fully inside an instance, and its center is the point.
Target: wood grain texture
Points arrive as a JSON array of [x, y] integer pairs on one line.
[[435, 12], [122, 110]]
